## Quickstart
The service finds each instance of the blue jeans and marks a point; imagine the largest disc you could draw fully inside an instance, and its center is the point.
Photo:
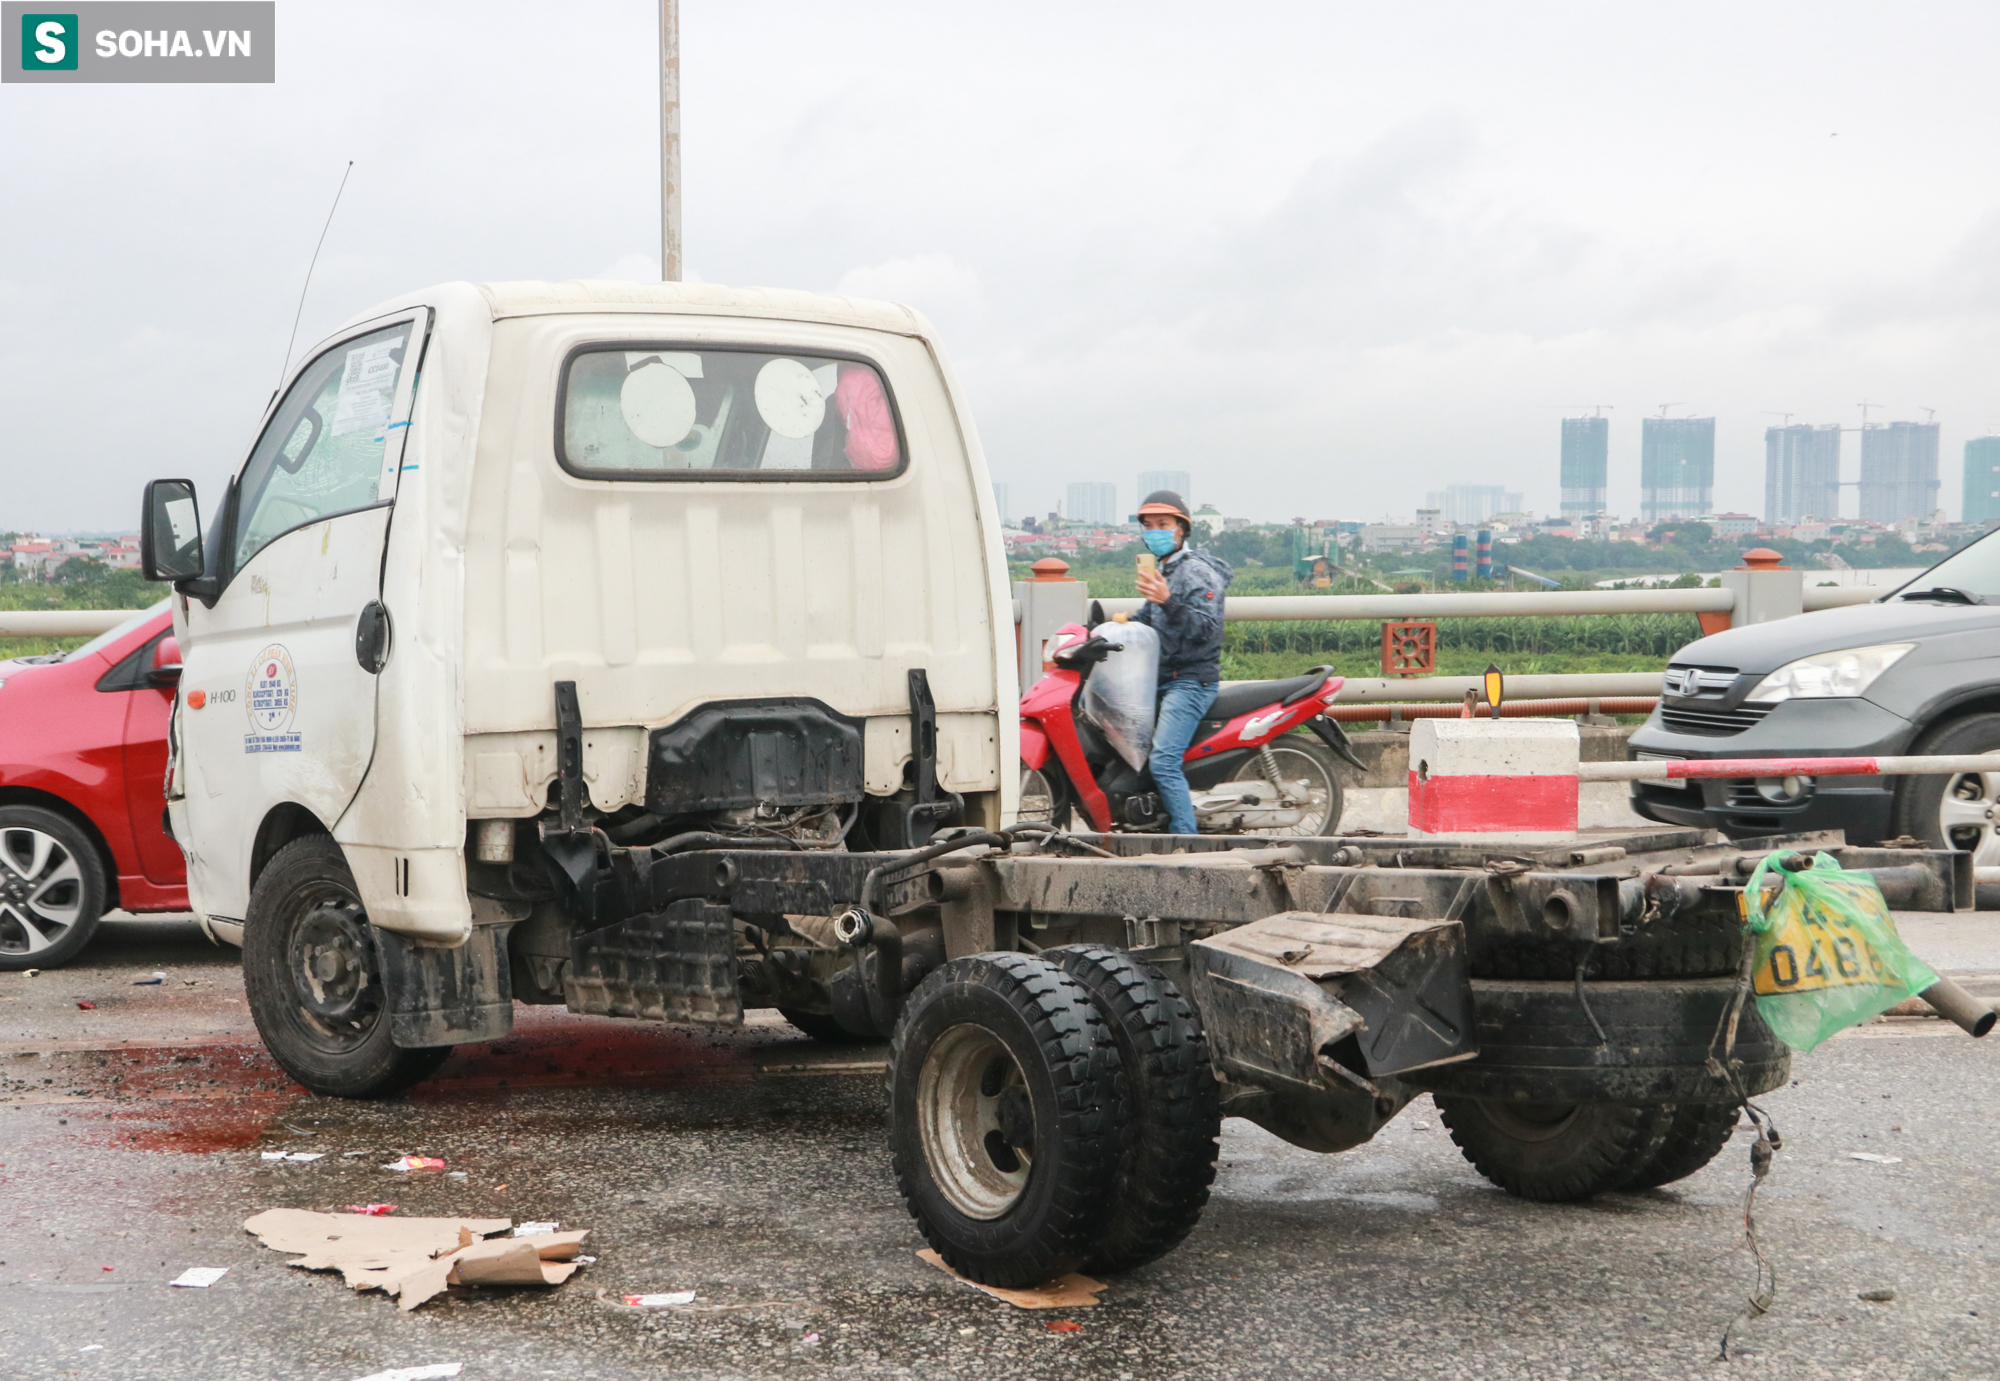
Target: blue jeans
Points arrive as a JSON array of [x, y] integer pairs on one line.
[[1182, 704]]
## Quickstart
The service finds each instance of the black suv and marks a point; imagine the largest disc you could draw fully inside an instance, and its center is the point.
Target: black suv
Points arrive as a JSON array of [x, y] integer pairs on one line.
[[1917, 671]]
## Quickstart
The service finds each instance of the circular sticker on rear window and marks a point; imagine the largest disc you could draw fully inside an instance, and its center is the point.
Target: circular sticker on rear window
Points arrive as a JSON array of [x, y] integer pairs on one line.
[[789, 398], [658, 404]]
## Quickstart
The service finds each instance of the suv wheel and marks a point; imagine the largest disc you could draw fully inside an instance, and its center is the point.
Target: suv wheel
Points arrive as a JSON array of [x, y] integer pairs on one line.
[[1960, 811], [52, 888]]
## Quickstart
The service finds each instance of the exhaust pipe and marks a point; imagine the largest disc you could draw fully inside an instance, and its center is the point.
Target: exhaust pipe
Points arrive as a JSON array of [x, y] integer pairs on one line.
[[1959, 1007]]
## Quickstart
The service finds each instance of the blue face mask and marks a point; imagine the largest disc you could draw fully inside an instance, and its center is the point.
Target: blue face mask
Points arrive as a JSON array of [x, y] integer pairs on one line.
[[1160, 541]]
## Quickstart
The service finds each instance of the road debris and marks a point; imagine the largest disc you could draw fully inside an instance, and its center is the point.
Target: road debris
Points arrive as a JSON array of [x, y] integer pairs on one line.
[[86, 1006], [198, 1277], [149, 982], [436, 1372], [530, 1229], [405, 1163], [301, 1156], [372, 1210], [1070, 1292], [1063, 1326], [413, 1259], [1874, 1158], [667, 1300], [1877, 1296]]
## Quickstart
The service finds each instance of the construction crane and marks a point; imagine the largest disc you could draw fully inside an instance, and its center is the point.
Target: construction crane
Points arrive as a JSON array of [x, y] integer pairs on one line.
[[1665, 406], [1773, 412]]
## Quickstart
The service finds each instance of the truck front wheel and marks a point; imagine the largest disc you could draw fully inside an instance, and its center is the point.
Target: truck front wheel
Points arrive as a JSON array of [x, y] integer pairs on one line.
[[1556, 1153], [1006, 1114], [314, 978]]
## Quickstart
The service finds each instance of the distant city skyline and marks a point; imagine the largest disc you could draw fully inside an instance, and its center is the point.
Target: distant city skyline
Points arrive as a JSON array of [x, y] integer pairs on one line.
[[1899, 471], [1180, 482], [1090, 501], [1801, 472], [1676, 468], [1586, 465]]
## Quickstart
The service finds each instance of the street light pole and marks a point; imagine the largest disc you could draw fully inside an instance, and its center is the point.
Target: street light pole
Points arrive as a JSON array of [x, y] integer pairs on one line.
[[670, 140]]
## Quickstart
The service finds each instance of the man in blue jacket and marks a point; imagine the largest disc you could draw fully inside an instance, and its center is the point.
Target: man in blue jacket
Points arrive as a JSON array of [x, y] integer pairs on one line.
[[1184, 606]]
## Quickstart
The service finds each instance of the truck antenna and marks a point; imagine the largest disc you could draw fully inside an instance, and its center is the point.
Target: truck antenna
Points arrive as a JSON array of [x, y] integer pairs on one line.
[[307, 285]]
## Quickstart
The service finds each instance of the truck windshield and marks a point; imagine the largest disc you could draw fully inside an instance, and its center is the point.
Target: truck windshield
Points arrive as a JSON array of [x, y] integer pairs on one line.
[[1975, 570], [322, 453], [663, 412]]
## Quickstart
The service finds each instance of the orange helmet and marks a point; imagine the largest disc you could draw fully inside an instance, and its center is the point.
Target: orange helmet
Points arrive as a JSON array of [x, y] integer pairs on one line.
[[1168, 502]]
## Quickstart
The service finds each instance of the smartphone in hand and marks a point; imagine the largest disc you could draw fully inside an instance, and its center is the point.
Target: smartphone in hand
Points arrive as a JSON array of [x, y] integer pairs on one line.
[[1149, 564]]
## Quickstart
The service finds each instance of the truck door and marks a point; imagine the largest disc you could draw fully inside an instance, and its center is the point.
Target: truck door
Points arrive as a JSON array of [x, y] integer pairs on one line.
[[277, 707]]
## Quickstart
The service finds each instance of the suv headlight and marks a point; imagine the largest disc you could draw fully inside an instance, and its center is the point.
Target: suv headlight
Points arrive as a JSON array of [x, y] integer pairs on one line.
[[1828, 675]]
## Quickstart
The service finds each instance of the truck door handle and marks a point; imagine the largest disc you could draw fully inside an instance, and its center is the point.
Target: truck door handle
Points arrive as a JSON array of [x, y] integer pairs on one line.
[[371, 638]]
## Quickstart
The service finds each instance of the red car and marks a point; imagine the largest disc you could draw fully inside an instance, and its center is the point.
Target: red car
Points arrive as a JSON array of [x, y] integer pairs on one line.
[[83, 762]]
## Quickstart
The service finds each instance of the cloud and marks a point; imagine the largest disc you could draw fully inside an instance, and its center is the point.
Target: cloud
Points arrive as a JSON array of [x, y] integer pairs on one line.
[[935, 284], [631, 268]]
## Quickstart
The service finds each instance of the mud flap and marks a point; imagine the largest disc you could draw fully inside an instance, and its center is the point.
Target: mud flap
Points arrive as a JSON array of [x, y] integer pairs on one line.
[[673, 965], [440, 996], [1299, 1002]]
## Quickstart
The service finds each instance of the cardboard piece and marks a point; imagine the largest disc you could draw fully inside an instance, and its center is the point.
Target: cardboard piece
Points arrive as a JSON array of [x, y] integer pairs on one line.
[[1072, 1291], [412, 1259]]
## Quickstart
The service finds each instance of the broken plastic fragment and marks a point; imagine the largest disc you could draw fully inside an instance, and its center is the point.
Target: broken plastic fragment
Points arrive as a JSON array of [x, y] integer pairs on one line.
[[290, 1155], [1063, 1326], [530, 1229], [1874, 1158], [415, 1163], [199, 1277], [372, 1210], [149, 982], [660, 1301], [431, 1373], [87, 1006], [1877, 1296]]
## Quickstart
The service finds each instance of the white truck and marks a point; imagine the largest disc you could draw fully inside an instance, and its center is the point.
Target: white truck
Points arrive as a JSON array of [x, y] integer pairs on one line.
[[647, 649]]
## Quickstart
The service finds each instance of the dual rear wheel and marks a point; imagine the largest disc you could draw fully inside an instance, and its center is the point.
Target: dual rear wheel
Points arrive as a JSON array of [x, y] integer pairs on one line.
[[1051, 1113]]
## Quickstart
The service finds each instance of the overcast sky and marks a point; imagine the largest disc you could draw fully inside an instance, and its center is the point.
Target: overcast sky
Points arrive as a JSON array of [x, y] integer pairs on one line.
[[1323, 256]]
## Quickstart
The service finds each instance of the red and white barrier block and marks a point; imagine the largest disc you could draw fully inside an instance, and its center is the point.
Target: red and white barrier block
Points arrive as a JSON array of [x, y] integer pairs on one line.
[[1515, 777]]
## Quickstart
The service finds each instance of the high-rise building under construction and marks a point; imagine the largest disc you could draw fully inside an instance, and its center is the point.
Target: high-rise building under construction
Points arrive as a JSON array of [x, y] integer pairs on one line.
[[1899, 471], [1982, 480], [1586, 465], [1676, 467], [1801, 473]]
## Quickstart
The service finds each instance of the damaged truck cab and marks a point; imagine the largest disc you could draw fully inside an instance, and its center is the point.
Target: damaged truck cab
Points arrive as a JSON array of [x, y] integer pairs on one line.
[[517, 572], [646, 649]]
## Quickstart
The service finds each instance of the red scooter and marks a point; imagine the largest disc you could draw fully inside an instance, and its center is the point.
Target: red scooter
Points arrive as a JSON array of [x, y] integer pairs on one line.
[[1247, 771]]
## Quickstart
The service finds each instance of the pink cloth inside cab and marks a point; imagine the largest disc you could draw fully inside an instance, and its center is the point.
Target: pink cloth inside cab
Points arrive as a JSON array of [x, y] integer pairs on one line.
[[871, 431]]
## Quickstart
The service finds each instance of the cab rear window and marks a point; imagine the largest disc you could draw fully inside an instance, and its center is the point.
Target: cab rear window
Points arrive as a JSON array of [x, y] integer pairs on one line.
[[670, 412]]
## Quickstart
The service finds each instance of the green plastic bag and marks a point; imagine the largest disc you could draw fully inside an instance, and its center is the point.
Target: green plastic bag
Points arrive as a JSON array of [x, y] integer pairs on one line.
[[1828, 955]]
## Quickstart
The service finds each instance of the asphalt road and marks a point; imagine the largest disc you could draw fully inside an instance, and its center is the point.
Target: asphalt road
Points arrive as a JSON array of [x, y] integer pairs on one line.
[[752, 1169]]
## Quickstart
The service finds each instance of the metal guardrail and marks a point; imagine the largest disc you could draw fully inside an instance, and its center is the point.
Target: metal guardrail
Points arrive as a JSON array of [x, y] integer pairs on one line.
[[1377, 690], [1500, 604], [61, 623], [88, 623]]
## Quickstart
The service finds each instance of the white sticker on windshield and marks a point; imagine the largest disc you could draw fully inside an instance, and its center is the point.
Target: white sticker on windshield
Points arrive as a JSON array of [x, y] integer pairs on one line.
[[367, 388], [180, 517]]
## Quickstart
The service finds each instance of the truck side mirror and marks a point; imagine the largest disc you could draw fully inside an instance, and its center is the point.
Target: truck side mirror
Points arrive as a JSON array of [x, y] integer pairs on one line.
[[166, 668], [170, 532]]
